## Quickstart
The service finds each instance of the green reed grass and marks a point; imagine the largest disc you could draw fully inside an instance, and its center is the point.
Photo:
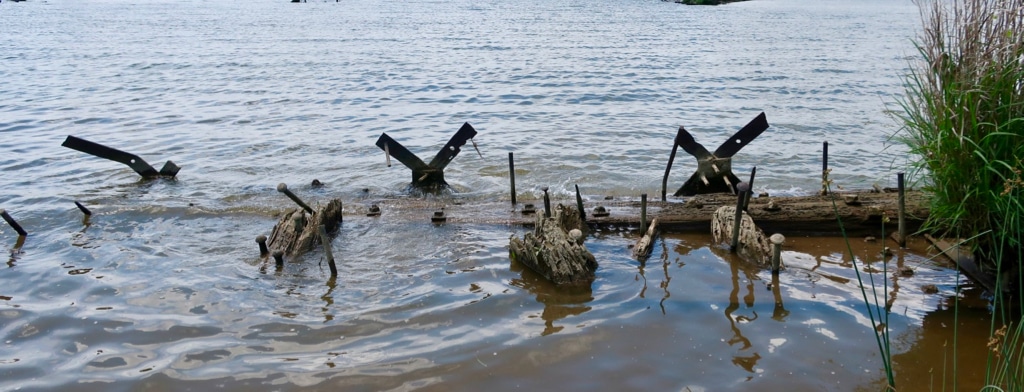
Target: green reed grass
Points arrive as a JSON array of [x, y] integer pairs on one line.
[[963, 121]]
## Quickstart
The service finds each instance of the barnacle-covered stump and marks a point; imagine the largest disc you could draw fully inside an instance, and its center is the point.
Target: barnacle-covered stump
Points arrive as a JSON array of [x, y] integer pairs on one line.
[[753, 244], [555, 249], [297, 231]]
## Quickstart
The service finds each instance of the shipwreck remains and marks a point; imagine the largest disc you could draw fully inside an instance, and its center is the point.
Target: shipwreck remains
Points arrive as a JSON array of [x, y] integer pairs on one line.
[[427, 176], [297, 232], [555, 248], [714, 170], [133, 161]]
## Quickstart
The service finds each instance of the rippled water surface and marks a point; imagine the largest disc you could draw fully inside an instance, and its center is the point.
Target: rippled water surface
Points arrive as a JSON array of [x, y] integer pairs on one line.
[[162, 287]]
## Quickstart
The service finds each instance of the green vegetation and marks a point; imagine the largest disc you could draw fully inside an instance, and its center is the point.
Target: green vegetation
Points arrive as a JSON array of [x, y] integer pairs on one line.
[[963, 120]]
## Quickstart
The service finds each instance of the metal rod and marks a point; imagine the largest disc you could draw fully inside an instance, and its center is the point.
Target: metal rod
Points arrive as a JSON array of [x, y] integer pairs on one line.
[[668, 168], [14, 224], [902, 210], [746, 202], [387, 154], [283, 188], [776, 240], [324, 239], [643, 212], [579, 205], [512, 177], [824, 167], [83, 209], [279, 257], [742, 191], [547, 203], [262, 240]]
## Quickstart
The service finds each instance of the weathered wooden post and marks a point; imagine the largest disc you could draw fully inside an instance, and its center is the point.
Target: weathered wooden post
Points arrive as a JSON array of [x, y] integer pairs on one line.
[[14, 224], [512, 178], [643, 212], [554, 249], [776, 240], [547, 203], [902, 206], [579, 204], [326, 241]]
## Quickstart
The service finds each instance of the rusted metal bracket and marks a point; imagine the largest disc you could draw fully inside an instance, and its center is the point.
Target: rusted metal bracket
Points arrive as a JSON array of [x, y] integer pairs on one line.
[[133, 161], [427, 175], [714, 170]]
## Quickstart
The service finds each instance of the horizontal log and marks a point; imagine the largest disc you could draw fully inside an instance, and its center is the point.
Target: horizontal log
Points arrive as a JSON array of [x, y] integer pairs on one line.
[[814, 214]]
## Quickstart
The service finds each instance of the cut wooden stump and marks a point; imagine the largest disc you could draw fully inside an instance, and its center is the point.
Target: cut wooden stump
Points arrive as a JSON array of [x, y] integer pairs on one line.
[[753, 244], [643, 246], [298, 232], [555, 249]]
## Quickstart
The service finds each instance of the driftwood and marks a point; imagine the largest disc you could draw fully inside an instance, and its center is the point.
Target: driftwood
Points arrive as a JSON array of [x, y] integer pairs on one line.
[[298, 232], [753, 244], [643, 246], [555, 249]]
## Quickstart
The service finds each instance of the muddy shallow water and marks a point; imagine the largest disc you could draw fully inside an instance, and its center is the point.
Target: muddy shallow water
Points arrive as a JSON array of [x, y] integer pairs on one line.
[[162, 288]]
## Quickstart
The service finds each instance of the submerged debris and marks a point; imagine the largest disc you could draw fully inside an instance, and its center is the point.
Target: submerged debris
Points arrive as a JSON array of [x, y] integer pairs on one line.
[[551, 251]]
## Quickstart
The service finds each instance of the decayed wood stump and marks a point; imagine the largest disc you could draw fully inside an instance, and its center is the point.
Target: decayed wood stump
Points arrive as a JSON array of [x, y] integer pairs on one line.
[[555, 253], [753, 244], [643, 246], [297, 231]]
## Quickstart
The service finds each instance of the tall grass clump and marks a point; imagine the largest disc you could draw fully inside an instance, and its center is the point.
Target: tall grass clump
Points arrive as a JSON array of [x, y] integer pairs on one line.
[[963, 121]]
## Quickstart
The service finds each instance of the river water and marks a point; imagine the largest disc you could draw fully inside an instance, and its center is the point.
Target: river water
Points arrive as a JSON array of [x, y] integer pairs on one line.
[[162, 289]]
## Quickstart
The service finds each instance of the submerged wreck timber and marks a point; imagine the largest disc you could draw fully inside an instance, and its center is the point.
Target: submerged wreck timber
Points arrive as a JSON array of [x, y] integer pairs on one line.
[[861, 212]]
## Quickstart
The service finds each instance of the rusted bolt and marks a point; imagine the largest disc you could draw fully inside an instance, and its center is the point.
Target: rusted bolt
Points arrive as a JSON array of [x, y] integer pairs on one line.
[[374, 210], [438, 217], [279, 257], [600, 212]]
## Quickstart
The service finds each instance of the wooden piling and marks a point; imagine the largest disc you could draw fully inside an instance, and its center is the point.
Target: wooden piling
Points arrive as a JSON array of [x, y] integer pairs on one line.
[[776, 240], [547, 203], [643, 212], [644, 245]]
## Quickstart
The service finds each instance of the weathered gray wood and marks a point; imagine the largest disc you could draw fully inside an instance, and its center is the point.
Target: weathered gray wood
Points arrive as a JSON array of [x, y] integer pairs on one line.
[[753, 244], [555, 249], [297, 232], [643, 246]]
